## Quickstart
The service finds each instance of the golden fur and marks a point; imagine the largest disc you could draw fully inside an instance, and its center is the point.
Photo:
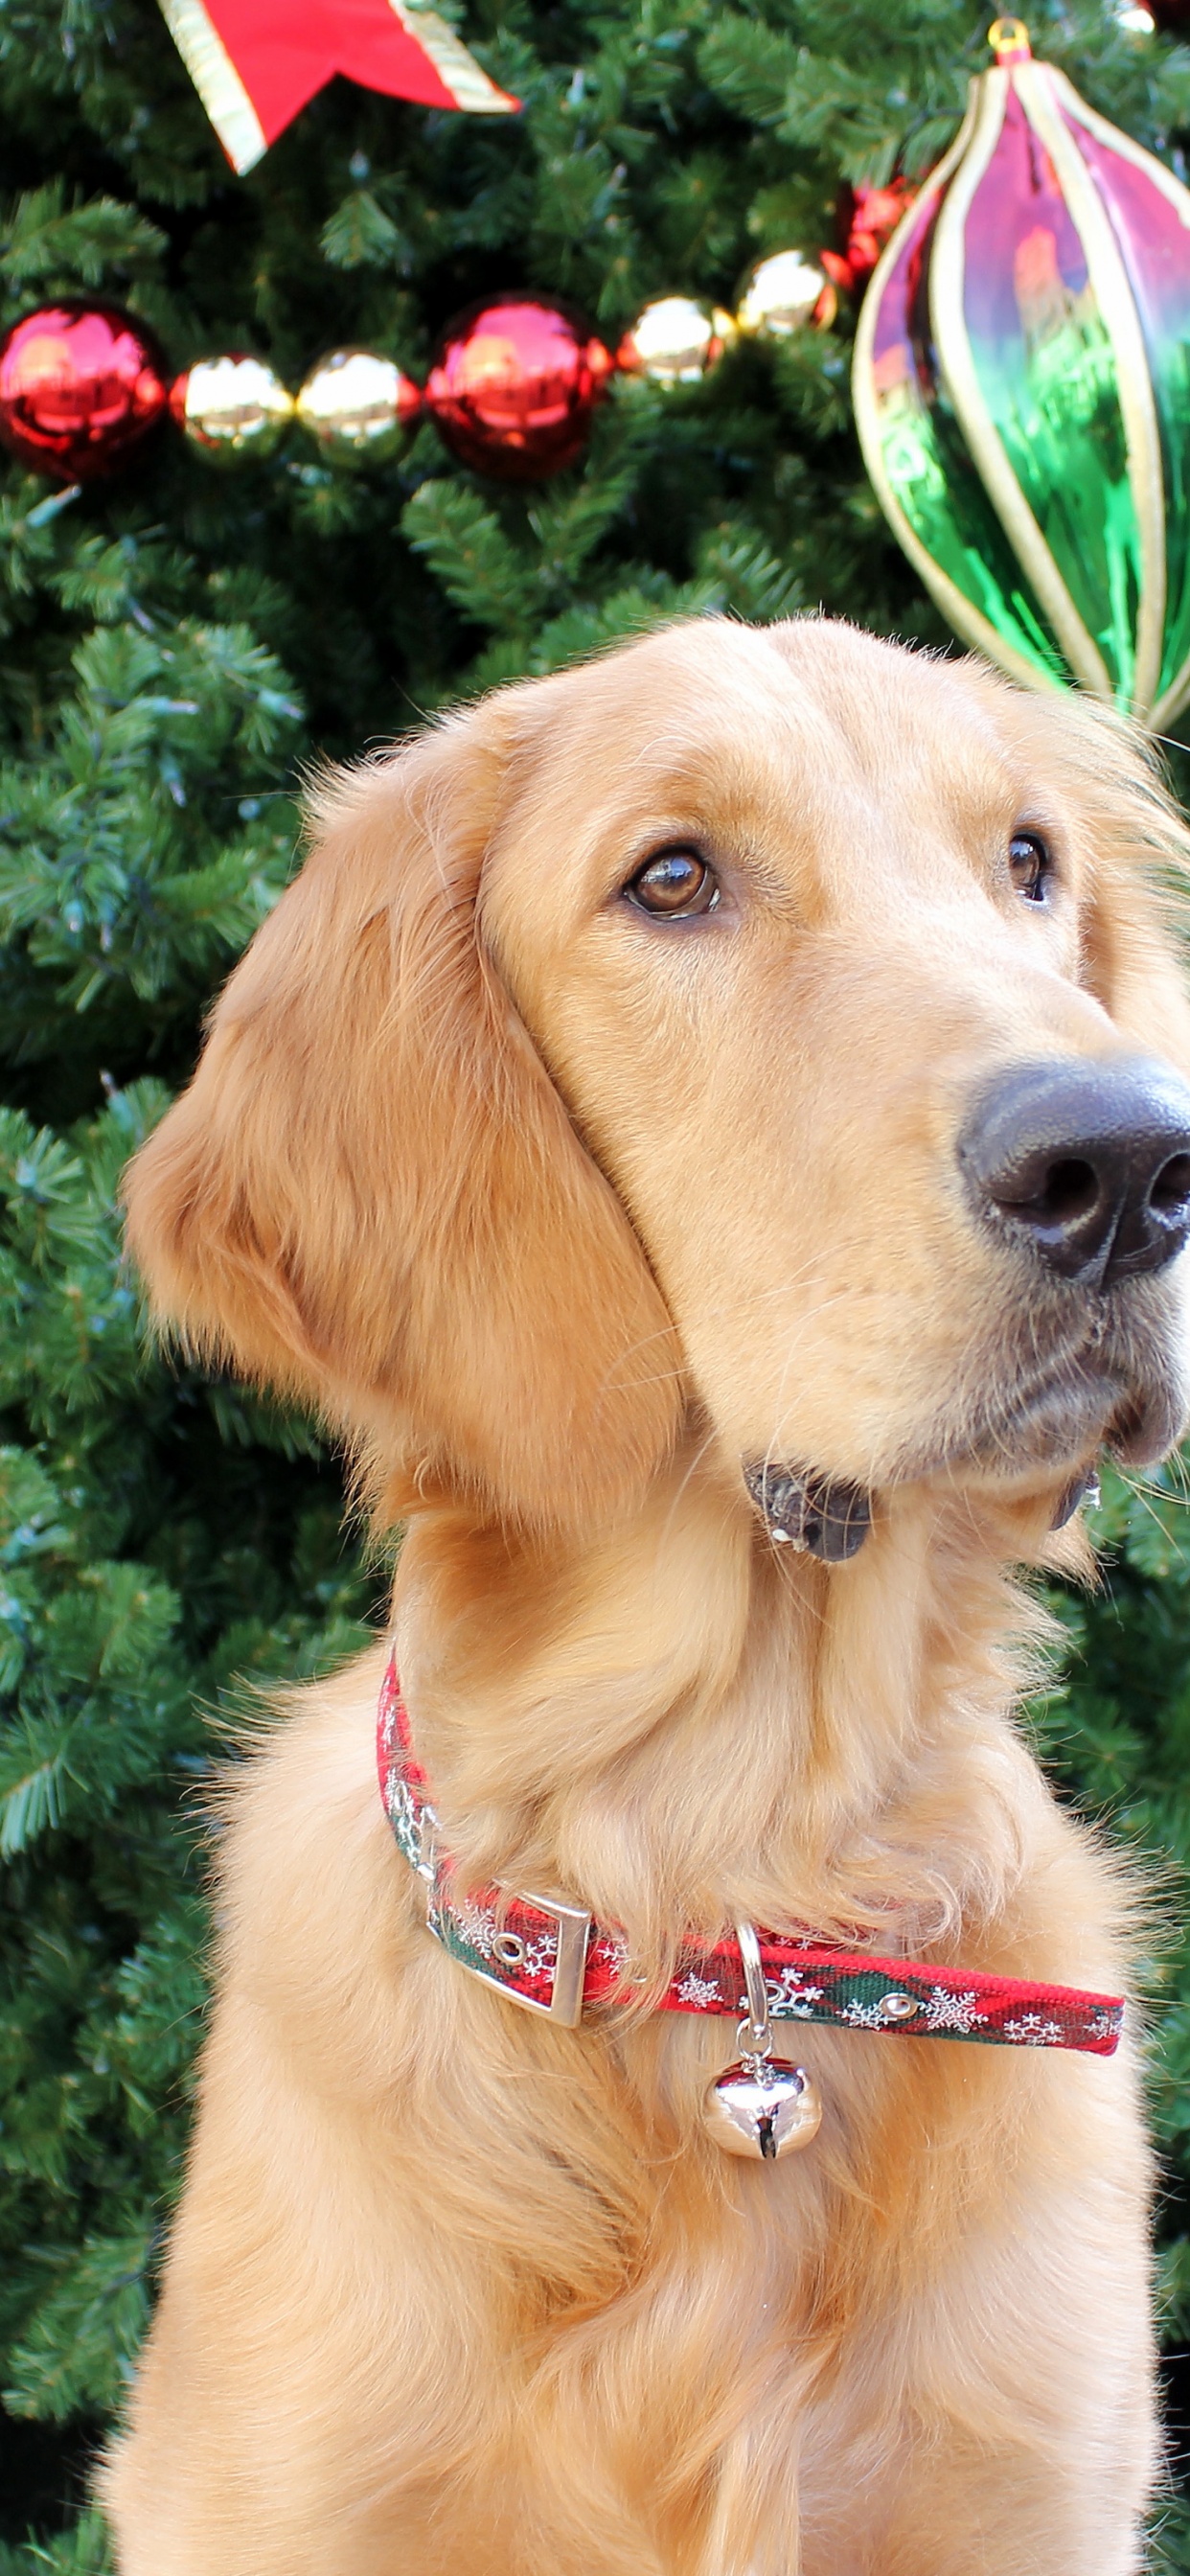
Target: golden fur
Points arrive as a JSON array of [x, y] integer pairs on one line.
[[560, 1214]]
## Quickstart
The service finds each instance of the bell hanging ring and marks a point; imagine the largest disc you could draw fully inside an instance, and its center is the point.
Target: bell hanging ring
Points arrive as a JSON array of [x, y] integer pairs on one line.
[[761, 2105]]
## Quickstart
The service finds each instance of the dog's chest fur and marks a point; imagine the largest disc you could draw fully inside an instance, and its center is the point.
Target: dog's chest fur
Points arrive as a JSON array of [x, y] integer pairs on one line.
[[642, 2333]]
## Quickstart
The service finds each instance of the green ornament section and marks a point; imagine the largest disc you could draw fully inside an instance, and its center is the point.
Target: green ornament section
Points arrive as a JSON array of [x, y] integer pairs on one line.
[[1047, 372], [1151, 235], [174, 650], [929, 467]]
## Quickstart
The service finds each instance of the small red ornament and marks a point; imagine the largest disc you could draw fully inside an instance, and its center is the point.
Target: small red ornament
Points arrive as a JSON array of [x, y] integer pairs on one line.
[[513, 386], [868, 217], [80, 386]]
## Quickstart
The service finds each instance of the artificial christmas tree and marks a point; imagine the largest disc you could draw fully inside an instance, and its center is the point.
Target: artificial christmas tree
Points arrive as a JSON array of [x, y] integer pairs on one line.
[[175, 645]]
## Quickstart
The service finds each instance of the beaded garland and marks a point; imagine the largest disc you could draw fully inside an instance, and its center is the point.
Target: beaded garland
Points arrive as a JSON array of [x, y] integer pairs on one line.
[[512, 389]]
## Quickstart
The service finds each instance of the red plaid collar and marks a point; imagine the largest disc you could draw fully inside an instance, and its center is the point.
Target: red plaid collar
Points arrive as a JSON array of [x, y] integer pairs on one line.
[[556, 1959]]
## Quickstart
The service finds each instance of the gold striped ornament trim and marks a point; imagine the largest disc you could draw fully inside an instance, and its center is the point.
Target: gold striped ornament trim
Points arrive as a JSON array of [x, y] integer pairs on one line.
[[1038, 88], [457, 70], [1173, 699], [956, 366], [959, 611], [217, 81]]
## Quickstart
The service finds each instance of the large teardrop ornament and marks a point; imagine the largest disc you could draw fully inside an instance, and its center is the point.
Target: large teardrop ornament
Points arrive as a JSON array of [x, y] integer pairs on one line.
[[1022, 391]]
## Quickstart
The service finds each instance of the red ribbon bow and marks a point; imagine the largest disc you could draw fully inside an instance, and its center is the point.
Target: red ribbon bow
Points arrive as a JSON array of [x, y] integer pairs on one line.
[[254, 63]]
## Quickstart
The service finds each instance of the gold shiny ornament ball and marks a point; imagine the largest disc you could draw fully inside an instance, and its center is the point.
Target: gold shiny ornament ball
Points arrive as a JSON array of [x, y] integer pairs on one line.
[[786, 293], [358, 407], [674, 341], [232, 409]]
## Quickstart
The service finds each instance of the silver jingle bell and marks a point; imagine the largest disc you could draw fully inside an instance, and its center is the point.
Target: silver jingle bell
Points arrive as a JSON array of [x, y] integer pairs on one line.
[[764, 2107]]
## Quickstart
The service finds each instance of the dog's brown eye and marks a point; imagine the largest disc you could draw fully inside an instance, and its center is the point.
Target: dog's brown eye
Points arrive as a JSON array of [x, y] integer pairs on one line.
[[1031, 865], [673, 885]]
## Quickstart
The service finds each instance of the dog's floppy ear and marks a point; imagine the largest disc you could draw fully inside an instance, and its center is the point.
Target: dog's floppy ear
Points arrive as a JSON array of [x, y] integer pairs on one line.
[[371, 1192]]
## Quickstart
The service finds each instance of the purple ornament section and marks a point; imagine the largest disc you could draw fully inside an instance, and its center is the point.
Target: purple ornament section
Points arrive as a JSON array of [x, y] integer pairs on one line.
[[1045, 365], [1154, 243], [927, 464]]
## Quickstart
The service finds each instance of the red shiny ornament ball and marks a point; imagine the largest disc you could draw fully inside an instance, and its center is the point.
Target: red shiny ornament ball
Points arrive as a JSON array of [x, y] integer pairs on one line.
[[80, 386], [513, 386]]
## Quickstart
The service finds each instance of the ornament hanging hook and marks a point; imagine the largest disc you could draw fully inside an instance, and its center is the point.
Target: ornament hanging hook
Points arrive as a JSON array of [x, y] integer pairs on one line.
[[1009, 40]]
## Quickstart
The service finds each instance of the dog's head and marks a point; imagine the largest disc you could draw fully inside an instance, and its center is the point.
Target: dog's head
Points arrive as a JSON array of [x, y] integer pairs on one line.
[[777, 1028]]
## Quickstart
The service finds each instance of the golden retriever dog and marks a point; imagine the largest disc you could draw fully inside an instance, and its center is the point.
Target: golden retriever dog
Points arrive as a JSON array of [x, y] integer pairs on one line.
[[689, 1117]]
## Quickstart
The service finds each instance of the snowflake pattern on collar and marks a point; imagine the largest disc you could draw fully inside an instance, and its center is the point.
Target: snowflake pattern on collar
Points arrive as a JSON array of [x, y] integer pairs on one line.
[[514, 1942]]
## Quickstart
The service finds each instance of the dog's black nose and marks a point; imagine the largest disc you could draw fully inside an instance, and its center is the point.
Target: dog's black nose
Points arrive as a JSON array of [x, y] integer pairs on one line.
[[1087, 1162]]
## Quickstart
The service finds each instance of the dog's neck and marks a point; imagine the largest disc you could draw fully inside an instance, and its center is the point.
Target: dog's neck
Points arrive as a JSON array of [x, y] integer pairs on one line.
[[679, 1724]]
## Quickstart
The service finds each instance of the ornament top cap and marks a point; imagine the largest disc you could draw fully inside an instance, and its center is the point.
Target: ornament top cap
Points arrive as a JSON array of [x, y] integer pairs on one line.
[[1009, 40]]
